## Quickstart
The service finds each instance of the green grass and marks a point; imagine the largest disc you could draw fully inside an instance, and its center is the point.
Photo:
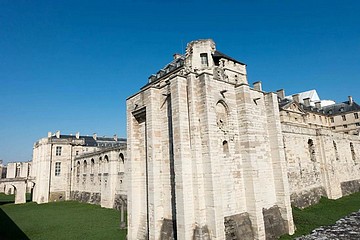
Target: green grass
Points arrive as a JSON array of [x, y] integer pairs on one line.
[[327, 212], [62, 220]]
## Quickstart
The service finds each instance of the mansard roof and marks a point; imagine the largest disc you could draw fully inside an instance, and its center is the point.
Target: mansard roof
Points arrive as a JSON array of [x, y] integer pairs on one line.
[[91, 142], [341, 108]]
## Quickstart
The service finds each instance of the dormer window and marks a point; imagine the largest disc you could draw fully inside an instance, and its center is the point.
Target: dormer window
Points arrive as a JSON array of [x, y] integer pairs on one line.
[[204, 59]]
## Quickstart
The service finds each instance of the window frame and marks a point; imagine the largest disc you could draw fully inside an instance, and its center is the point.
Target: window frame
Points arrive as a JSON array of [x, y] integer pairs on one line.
[[57, 169], [58, 150]]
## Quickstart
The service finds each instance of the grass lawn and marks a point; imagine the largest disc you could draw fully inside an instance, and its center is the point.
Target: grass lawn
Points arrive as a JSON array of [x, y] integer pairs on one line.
[[327, 212], [62, 220]]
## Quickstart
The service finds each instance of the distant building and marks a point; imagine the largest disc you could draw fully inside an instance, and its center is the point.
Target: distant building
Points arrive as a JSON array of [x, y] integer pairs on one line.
[[54, 159]]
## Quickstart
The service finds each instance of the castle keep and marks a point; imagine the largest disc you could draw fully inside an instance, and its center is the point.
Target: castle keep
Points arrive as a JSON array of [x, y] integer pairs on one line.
[[212, 158], [207, 156]]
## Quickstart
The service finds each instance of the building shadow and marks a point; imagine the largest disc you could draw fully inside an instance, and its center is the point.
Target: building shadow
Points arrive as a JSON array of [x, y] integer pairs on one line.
[[8, 229]]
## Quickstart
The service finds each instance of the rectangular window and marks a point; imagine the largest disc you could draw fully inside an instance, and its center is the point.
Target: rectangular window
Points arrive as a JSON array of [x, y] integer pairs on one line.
[[357, 124], [356, 115], [333, 128], [58, 151], [77, 153], [345, 126], [57, 168], [343, 117], [204, 59], [332, 119]]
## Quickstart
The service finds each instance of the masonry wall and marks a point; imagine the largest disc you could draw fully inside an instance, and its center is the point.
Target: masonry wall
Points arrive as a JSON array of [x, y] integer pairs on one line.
[[330, 169], [99, 178], [220, 137]]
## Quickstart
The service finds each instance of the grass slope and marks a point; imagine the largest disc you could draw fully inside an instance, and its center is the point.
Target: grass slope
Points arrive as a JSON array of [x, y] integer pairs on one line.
[[327, 212], [63, 220]]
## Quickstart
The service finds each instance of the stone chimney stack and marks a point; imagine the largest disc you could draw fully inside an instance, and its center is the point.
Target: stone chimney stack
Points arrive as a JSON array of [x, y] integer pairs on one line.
[[49, 134], [318, 105], [351, 101], [176, 56], [57, 134], [307, 102], [77, 135], [257, 86], [281, 93], [95, 136], [296, 98], [115, 137]]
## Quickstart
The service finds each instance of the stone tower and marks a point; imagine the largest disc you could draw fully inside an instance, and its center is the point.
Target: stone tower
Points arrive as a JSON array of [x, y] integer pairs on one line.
[[206, 157]]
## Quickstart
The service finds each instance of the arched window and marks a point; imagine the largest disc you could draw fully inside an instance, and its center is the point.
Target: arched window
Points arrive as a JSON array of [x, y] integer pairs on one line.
[[353, 155], [221, 115], [100, 164], [311, 150], [106, 164], [225, 147], [122, 159], [92, 164], [336, 151], [85, 167], [78, 168]]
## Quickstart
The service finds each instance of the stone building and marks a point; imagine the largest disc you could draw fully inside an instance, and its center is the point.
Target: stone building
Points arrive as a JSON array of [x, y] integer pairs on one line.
[[212, 158], [53, 162], [99, 178]]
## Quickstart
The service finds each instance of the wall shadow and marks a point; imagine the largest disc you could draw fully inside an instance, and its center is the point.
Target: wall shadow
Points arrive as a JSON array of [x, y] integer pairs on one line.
[[9, 230]]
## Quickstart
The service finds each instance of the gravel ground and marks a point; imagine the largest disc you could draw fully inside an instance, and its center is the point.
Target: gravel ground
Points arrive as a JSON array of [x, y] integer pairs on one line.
[[347, 228]]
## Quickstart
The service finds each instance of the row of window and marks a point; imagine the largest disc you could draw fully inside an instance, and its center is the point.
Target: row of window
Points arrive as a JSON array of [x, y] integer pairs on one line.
[[311, 149], [356, 116], [92, 165]]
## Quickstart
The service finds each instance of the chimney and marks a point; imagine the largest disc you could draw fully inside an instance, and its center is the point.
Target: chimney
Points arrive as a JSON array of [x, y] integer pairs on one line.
[[57, 134], [307, 102], [257, 86], [296, 98], [49, 134], [115, 137], [351, 101], [281, 93], [77, 135], [176, 56], [95, 136]]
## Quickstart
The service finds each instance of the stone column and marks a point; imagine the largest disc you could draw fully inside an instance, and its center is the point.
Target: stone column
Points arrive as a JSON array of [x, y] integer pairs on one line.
[[135, 172], [154, 157], [278, 160], [247, 133], [20, 193], [182, 158]]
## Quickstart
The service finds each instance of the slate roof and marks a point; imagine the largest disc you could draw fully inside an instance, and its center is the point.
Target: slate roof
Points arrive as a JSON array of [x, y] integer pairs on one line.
[[90, 141], [341, 108], [330, 110], [218, 55]]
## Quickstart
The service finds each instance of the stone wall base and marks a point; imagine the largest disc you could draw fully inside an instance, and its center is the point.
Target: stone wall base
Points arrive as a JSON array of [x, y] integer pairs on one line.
[[86, 197], [308, 197], [350, 187], [57, 196], [238, 227], [275, 225]]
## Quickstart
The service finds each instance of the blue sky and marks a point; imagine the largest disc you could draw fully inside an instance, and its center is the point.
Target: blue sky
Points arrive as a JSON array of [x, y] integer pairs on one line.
[[70, 65]]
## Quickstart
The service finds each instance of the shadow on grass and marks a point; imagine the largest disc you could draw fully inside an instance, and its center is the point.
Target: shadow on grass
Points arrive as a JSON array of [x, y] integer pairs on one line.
[[8, 229]]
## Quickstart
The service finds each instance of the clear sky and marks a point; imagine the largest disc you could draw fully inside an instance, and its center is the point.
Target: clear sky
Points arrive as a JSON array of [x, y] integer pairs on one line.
[[70, 65]]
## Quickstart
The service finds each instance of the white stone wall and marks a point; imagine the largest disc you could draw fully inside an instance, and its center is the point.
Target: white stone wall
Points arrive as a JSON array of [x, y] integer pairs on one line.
[[102, 178], [207, 147], [334, 162]]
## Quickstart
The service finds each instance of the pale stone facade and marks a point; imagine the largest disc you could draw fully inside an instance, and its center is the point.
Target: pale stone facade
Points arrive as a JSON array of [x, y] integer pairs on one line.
[[54, 158], [206, 153], [99, 178], [212, 158]]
